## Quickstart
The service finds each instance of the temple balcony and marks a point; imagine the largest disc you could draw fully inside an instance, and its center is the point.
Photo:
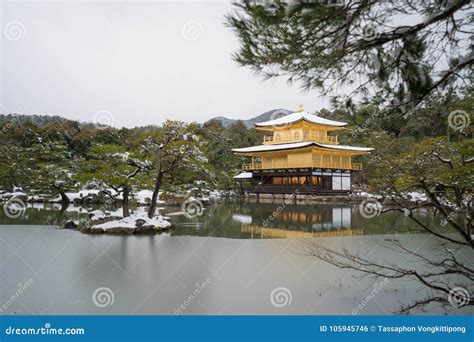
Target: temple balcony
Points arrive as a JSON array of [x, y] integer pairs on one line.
[[313, 137], [316, 164]]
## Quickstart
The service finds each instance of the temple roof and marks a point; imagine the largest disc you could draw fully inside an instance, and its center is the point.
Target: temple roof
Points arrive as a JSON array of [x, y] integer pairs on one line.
[[244, 175], [279, 147], [299, 116]]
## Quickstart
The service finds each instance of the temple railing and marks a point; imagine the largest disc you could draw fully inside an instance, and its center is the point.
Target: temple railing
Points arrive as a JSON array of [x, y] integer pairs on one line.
[[327, 165], [270, 139], [252, 166]]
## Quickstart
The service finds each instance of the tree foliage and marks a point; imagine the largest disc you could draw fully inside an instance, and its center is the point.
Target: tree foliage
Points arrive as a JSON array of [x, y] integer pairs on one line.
[[401, 54]]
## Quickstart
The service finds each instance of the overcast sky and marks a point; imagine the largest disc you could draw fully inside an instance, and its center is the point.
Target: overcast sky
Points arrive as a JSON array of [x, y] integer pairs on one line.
[[143, 62]]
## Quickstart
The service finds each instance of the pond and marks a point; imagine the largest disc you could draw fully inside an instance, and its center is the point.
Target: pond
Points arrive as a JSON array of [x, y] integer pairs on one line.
[[243, 219], [236, 258]]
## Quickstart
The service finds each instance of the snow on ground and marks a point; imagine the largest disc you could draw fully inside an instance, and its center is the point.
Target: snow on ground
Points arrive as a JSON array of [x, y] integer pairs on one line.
[[8, 195], [144, 197], [415, 196], [97, 215], [77, 195], [130, 222]]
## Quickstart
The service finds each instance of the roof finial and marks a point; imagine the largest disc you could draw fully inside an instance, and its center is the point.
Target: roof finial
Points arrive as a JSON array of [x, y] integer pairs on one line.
[[300, 108]]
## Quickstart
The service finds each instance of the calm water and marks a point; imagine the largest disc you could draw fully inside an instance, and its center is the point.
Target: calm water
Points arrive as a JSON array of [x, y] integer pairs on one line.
[[226, 253], [239, 219]]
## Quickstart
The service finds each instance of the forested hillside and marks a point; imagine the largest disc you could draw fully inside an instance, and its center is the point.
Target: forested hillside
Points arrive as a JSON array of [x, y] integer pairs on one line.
[[51, 154]]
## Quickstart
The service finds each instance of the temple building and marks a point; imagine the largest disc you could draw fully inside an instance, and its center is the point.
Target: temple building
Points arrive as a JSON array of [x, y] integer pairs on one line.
[[300, 154]]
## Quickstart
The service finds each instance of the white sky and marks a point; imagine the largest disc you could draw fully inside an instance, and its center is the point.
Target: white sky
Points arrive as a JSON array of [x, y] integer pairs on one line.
[[77, 58]]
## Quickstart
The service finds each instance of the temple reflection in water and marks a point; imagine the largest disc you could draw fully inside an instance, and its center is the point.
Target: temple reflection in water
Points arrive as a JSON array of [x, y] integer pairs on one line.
[[299, 222]]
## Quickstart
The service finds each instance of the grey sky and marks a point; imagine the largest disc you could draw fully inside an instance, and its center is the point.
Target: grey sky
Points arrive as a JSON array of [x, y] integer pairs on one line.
[[131, 59]]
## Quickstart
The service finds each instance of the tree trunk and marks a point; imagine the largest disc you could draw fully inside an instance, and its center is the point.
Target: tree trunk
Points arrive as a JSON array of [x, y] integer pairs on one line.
[[64, 197], [156, 190], [125, 207]]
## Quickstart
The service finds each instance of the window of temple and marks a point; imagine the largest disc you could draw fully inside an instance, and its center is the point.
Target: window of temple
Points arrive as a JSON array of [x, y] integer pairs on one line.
[[278, 180], [304, 180], [278, 137], [296, 135]]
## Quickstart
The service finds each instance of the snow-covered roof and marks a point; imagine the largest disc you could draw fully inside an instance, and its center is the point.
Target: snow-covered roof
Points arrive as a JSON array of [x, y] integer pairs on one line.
[[346, 147], [244, 175], [269, 148], [298, 116]]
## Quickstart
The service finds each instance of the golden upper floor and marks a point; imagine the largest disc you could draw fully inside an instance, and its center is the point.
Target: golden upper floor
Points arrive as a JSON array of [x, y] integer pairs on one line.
[[298, 135], [300, 127], [301, 140], [310, 157]]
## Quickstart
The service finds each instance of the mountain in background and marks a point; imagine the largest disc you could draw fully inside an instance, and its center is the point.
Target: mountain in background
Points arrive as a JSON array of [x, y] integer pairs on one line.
[[42, 120], [270, 115], [39, 120]]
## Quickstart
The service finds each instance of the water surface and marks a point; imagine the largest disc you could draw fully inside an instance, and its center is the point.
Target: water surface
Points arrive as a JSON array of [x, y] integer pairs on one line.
[[233, 254]]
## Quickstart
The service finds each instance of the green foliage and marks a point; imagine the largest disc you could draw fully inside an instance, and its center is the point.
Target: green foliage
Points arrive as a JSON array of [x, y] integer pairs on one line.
[[36, 157], [361, 46]]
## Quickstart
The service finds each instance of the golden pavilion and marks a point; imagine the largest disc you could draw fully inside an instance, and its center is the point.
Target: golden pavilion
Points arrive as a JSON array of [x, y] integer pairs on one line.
[[300, 154]]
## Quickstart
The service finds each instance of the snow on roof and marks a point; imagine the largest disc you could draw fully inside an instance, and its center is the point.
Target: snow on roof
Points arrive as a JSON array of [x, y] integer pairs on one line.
[[244, 175], [264, 148], [298, 116], [269, 148], [346, 147]]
